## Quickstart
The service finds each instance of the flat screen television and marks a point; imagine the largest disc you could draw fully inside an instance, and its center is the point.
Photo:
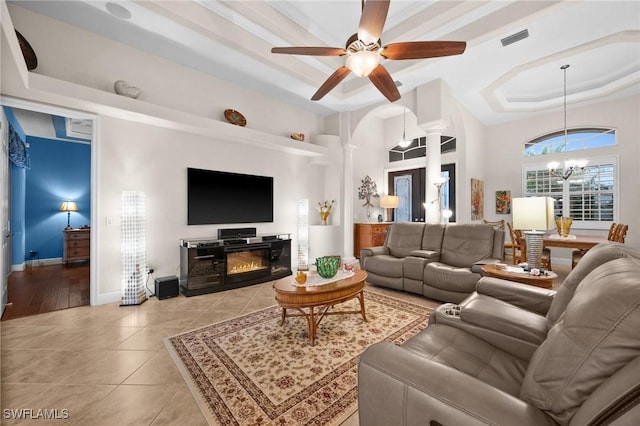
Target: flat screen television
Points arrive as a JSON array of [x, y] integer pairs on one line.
[[215, 197]]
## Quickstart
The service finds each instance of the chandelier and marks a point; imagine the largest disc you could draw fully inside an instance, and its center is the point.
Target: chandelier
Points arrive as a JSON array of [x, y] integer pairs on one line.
[[570, 166]]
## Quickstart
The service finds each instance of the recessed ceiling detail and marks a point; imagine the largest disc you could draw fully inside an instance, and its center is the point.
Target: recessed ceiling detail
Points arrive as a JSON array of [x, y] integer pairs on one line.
[[599, 68]]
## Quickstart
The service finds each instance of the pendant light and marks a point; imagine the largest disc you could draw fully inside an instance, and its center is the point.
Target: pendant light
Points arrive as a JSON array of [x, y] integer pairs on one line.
[[404, 142], [570, 166]]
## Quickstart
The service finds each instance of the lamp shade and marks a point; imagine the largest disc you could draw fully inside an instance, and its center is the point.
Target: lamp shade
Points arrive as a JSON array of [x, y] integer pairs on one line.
[[68, 206], [389, 201], [534, 213]]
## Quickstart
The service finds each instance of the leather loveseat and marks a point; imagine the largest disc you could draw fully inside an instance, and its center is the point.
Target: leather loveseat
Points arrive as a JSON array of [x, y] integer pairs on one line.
[[439, 261], [584, 370]]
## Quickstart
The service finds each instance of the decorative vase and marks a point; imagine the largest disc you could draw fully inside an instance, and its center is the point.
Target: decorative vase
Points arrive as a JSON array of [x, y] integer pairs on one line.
[[327, 266], [563, 224], [324, 216]]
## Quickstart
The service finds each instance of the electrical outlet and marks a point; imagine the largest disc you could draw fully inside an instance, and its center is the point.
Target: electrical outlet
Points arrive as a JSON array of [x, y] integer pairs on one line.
[[33, 253]]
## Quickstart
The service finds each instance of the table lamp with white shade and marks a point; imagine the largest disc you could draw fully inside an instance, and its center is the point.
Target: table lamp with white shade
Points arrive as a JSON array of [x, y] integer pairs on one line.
[[389, 202], [533, 215]]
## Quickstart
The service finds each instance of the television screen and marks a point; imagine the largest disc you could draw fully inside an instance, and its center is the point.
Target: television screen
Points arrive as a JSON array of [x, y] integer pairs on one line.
[[215, 197]]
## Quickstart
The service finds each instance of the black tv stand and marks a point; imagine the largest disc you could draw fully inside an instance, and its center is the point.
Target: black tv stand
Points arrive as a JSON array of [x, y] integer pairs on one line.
[[211, 265]]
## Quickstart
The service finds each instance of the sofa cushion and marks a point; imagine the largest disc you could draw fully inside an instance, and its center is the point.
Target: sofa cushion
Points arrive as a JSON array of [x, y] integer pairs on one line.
[[466, 353], [432, 236], [595, 337], [450, 278], [385, 265], [465, 244], [403, 238], [595, 257]]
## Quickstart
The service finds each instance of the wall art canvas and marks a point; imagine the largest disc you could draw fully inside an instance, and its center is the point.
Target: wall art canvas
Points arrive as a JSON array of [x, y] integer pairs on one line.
[[477, 199], [503, 202]]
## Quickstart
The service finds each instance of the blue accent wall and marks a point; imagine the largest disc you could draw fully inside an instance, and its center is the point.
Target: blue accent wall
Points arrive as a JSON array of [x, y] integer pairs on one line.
[[59, 171]]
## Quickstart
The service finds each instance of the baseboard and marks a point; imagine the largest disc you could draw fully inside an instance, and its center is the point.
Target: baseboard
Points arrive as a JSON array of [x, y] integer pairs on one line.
[[35, 263], [106, 298]]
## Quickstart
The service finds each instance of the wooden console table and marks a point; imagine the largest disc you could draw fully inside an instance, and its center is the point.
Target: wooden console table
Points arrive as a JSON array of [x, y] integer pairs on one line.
[[76, 245], [368, 235]]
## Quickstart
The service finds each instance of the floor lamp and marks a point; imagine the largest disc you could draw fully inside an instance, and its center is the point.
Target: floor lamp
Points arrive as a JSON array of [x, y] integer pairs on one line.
[[133, 247], [533, 215]]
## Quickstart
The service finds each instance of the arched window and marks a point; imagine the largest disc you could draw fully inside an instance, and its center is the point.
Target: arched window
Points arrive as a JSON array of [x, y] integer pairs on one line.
[[591, 194], [577, 139]]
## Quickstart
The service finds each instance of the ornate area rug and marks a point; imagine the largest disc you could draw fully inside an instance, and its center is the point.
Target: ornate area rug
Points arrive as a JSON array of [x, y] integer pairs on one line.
[[251, 371]]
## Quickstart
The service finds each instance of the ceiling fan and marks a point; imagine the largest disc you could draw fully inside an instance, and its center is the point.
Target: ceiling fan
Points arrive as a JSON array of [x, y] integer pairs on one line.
[[365, 52]]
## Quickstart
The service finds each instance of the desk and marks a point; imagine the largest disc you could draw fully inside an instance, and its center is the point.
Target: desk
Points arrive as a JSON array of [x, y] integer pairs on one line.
[[580, 242]]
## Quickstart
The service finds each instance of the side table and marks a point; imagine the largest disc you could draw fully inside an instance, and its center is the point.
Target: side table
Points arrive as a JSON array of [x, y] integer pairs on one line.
[[544, 281]]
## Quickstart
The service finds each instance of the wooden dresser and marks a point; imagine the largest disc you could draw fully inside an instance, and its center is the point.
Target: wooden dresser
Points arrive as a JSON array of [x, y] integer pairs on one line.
[[368, 235], [76, 245]]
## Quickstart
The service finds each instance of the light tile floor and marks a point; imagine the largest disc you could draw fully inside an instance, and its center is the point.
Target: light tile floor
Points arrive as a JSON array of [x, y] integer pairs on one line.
[[107, 365]]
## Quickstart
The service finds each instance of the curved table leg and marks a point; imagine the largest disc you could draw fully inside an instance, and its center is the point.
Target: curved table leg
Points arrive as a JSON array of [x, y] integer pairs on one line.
[[361, 298]]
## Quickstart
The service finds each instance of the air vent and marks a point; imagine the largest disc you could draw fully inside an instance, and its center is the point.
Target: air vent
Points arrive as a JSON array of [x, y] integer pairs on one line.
[[521, 35]]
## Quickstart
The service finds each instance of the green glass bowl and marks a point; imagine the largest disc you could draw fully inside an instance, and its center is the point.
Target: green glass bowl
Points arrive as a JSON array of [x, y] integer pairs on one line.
[[327, 266]]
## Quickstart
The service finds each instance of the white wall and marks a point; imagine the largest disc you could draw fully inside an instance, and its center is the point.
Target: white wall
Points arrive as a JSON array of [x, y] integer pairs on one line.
[[504, 154], [368, 159], [135, 156], [68, 53]]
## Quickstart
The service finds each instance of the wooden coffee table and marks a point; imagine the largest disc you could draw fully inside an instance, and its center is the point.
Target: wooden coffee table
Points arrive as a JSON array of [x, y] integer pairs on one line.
[[314, 302], [544, 281]]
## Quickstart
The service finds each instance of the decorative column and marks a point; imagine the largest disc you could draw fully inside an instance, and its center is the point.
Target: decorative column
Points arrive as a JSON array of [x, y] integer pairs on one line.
[[433, 166], [133, 247], [347, 201]]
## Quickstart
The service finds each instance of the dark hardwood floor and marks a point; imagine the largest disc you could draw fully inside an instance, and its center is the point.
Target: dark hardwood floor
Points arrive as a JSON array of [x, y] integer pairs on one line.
[[41, 289]]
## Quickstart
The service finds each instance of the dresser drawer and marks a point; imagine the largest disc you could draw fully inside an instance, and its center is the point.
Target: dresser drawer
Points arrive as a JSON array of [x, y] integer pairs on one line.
[[76, 245]]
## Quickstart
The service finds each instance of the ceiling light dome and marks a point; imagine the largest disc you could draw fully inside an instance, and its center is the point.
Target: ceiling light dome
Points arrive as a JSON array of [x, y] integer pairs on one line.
[[361, 63]]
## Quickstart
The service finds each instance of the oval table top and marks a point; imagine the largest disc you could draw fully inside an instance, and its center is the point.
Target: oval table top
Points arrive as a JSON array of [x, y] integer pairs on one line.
[[290, 294]]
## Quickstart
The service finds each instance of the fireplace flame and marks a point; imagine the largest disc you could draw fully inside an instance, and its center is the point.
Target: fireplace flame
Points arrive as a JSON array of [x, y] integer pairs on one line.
[[246, 267]]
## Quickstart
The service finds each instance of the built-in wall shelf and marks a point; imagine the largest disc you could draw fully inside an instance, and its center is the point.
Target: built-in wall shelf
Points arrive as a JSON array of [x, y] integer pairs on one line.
[[75, 96]]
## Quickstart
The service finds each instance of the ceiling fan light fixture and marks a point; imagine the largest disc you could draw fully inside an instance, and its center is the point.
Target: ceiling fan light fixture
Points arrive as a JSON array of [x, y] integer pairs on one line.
[[363, 62]]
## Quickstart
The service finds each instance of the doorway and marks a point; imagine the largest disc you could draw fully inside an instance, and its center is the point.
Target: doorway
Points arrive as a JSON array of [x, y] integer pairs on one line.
[[409, 186], [37, 277]]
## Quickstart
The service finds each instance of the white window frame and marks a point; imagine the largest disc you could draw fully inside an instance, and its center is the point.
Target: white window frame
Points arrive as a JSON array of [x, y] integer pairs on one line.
[[552, 182]]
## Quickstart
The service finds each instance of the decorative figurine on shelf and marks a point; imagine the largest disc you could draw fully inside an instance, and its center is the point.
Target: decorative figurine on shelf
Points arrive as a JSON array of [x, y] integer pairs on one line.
[[368, 189], [324, 209], [121, 87]]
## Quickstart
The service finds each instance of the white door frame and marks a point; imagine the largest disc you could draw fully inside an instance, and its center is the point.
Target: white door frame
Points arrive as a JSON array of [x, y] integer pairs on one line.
[[64, 112]]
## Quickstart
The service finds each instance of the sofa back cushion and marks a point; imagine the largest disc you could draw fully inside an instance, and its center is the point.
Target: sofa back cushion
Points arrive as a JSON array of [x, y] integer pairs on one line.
[[465, 244], [595, 337], [432, 236], [595, 257], [404, 237]]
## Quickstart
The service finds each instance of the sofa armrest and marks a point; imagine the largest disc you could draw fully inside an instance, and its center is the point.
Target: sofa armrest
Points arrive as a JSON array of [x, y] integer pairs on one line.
[[396, 386], [372, 251], [535, 299], [426, 254], [488, 261]]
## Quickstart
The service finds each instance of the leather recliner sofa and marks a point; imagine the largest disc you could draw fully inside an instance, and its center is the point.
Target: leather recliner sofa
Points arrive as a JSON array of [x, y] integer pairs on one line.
[[585, 370], [439, 261]]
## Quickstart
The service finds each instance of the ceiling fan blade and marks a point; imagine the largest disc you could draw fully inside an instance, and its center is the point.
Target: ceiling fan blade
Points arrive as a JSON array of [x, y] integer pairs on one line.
[[315, 51], [374, 14], [331, 82], [423, 49], [381, 78]]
